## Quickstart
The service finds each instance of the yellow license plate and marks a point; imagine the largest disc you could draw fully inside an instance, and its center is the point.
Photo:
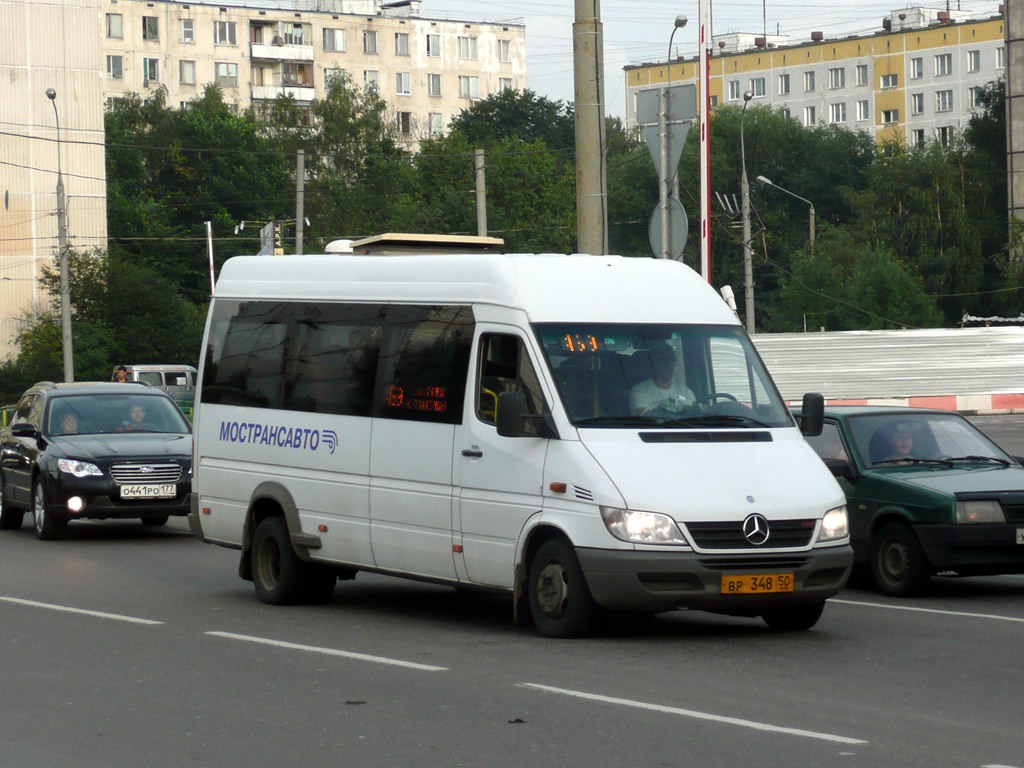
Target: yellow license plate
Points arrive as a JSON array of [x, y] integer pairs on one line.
[[757, 583]]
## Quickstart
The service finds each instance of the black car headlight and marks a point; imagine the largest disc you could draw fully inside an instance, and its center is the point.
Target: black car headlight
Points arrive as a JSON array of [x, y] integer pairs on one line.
[[79, 468]]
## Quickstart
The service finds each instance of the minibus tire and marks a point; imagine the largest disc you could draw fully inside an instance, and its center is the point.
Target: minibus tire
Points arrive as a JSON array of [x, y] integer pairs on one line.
[[560, 600], [279, 576], [795, 618]]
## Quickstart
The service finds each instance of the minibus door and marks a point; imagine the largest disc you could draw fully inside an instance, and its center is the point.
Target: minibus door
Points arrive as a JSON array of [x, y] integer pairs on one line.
[[499, 478]]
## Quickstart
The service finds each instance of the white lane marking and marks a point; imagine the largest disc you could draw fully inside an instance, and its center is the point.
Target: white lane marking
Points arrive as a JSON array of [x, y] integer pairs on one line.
[[98, 614], [997, 765], [329, 651], [992, 616], [698, 715]]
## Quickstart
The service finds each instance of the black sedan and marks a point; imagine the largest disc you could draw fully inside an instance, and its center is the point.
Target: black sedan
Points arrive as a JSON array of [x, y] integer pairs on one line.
[[94, 451]]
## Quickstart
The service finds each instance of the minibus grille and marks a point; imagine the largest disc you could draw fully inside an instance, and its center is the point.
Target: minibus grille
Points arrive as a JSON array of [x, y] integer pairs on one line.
[[754, 563], [729, 535], [145, 473]]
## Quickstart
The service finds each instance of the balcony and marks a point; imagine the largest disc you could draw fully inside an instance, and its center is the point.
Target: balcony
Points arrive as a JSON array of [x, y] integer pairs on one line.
[[270, 92], [281, 52]]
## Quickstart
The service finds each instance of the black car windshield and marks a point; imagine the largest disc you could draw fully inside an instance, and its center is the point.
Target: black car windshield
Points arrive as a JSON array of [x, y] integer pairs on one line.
[[672, 376], [905, 438], [113, 413]]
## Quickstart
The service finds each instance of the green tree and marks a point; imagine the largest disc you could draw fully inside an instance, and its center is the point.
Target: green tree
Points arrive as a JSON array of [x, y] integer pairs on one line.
[[523, 115]]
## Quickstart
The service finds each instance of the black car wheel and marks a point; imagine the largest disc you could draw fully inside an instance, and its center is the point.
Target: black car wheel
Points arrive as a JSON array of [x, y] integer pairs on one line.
[[897, 564], [278, 574], [47, 527], [794, 618], [560, 600], [10, 518]]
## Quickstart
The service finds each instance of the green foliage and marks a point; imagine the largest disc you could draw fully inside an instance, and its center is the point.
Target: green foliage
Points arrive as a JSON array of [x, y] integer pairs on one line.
[[523, 115]]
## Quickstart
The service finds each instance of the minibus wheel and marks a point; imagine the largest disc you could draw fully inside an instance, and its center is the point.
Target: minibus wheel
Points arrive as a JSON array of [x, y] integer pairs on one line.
[[560, 601], [794, 618], [278, 574]]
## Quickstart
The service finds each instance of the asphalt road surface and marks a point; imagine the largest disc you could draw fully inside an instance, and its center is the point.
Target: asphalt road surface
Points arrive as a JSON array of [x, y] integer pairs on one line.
[[125, 646]]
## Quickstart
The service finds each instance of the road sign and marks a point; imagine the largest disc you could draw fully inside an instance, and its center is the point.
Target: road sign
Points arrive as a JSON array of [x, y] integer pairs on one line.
[[676, 140], [682, 104], [678, 228]]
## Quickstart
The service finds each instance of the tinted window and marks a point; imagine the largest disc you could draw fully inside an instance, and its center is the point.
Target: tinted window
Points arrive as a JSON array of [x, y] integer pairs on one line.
[[102, 414], [505, 367], [153, 378]]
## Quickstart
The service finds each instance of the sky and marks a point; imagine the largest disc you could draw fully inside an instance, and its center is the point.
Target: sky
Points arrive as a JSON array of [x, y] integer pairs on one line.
[[637, 31]]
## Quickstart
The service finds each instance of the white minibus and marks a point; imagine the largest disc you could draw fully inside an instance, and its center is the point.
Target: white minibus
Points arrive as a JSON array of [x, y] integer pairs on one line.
[[587, 434]]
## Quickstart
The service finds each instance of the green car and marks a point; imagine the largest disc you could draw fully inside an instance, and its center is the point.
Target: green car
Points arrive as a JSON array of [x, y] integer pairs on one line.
[[927, 493]]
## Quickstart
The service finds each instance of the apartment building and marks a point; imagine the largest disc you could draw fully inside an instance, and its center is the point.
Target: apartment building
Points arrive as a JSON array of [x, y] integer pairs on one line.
[[917, 77], [427, 70], [47, 44]]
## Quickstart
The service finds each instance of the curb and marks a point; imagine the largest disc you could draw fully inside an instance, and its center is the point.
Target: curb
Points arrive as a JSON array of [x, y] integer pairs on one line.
[[967, 404]]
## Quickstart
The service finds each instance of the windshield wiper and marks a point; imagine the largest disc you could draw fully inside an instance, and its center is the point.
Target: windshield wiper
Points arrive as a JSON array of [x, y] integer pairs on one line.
[[717, 420], [996, 459], [911, 460], [624, 421]]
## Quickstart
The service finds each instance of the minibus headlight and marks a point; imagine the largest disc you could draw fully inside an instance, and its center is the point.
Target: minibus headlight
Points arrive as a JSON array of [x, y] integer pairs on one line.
[[834, 525], [641, 527], [979, 512], [78, 468]]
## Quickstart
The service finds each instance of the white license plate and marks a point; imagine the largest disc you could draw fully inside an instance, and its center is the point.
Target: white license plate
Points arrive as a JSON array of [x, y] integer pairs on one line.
[[164, 491], [1020, 535]]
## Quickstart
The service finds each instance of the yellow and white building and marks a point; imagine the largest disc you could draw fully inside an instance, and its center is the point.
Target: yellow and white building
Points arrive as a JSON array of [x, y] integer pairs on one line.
[[916, 78]]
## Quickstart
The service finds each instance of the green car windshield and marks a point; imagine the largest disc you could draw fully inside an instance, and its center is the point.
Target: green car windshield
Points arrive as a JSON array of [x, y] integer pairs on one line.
[[904, 437], [683, 376]]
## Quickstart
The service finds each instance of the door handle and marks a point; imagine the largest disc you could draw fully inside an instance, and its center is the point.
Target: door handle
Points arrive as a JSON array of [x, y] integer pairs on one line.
[[473, 454]]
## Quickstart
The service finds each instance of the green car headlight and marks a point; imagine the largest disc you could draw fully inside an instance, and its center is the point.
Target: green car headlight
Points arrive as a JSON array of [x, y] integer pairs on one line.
[[979, 512]]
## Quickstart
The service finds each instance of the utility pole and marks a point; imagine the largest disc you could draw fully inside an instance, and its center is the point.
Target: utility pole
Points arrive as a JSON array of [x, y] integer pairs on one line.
[[591, 179], [300, 201], [748, 261], [481, 192], [62, 256]]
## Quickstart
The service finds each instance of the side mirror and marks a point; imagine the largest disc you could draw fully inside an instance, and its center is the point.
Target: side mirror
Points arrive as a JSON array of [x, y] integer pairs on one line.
[[812, 415], [24, 429], [839, 468], [511, 418]]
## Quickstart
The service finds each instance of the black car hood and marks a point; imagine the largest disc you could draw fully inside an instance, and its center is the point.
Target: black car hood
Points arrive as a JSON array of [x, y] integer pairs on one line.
[[129, 445]]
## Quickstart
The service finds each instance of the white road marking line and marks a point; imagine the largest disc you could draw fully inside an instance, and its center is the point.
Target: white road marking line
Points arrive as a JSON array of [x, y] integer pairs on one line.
[[698, 715], [929, 610], [98, 614], [329, 651], [997, 765]]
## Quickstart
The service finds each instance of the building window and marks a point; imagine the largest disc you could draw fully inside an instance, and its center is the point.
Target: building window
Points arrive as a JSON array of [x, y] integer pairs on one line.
[[943, 64], [808, 116], [972, 96], [734, 90], [506, 84], [469, 87], [433, 85], [784, 111], [334, 75], [433, 46], [504, 50], [403, 83], [973, 61], [115, 68], [862, 74], [369, 41], [297, 34], [944, 134], [150, 28], [837, 112], [224, 33], [837, 78], [714, 99], [187, 72], [334, 40], [404, 123], [436, 124], [757, 86], [863, 112], [115, 25], [186, 31], [890, 116], [401, 43], [1001, 57], [227, 75], [916, 68], [808, 82], [917, 137], [916, 103], [943, 101], [783, 85], [467, 48], [890, 81], [294, 73], [371, 79], [150, 71]]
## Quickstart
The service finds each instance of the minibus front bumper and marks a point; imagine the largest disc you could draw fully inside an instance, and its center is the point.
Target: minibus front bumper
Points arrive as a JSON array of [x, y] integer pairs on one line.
[[634, 580]]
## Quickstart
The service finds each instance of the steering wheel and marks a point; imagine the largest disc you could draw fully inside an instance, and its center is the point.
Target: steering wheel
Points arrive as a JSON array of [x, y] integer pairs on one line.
[[713, 396]]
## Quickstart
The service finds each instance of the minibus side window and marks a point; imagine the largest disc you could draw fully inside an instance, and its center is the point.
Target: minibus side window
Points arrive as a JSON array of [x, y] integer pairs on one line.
[[505, 367], [245, 358], [424, 363]]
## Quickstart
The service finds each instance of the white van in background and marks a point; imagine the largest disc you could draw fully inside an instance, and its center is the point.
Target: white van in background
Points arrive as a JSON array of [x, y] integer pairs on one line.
[[490, 421], [178, 381]]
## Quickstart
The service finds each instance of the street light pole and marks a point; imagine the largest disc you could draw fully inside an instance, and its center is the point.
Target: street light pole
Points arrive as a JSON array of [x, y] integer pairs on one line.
[[748, 260], [770, 183], [62, 255], [664, 181]]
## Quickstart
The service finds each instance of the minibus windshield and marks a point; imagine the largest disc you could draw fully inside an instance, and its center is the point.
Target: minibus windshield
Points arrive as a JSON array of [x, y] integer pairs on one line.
[[678, 376]]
